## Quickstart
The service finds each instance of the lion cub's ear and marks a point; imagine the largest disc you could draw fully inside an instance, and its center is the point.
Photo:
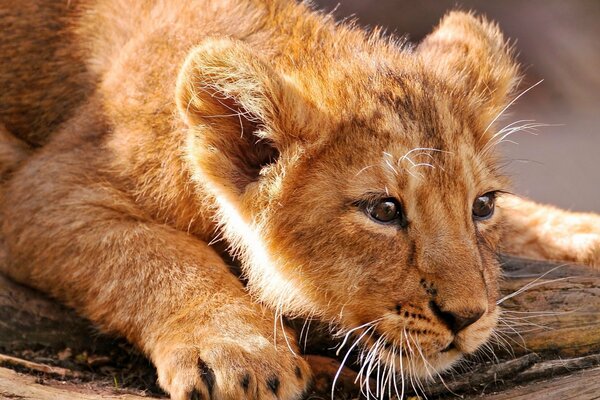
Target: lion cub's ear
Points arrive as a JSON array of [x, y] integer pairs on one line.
[[231, 100], [472, 56]]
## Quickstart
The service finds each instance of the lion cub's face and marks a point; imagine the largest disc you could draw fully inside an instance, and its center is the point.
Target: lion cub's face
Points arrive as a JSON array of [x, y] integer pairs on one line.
[[364, 195], [391, 225]]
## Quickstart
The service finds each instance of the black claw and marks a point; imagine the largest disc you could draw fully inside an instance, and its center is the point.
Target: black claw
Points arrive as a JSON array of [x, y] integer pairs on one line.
[[246, 382], [195, 395], [207, 375], [273, 384], [298, 372]]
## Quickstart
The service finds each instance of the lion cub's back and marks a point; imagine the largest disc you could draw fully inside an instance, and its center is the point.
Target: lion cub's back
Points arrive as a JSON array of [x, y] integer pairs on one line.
[[42, 75]]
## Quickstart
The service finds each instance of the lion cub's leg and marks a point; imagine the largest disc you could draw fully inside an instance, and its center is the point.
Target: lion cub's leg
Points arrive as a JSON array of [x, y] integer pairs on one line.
[[540, 231], [12, 152], [73, 235]]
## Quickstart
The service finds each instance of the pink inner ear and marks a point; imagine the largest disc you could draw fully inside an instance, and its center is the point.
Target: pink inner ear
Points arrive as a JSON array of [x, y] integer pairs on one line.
[[227, 145], [226, 96], [224, 77]]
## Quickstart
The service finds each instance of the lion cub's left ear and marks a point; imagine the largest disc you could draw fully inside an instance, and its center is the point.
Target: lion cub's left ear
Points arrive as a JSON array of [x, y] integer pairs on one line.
[[234, 104], [472, 56]]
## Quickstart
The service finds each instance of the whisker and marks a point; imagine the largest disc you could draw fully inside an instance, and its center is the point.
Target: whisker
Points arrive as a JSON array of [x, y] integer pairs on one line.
[[526, 323], [370, 360], [536, 314], [402, 334], [275, 323], [531, 286], [371, 326], [528, 128], [533, 283], [510, 104], [488, 350], [387, 371], [514, 331], [285, 337], [505, 338], [347, 335], [418, 388], [395, 375], [363, 169]]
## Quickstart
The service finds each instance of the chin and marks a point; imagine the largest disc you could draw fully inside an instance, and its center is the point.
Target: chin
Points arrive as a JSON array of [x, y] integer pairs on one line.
[[428, 366], [427, 369]]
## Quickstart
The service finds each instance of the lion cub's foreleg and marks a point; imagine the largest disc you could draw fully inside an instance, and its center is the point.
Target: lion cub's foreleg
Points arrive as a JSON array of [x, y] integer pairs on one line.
[[540, 231], [87, 244], [12, 152]]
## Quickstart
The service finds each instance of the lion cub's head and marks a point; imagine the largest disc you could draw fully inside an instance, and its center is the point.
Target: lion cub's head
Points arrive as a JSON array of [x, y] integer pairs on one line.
[[357, 179]]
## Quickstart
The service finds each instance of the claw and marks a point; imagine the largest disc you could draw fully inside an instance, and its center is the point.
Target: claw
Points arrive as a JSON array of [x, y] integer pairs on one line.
[[207, 375], [195, 395], [273, 384]]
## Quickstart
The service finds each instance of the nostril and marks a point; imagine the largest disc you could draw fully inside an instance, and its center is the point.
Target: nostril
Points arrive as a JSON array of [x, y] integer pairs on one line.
[[456, 320], [466, 319], [446, 317], [451, 346]]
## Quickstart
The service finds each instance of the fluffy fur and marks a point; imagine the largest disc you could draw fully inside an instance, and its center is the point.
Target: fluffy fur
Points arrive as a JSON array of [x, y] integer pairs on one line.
[[264, 126]]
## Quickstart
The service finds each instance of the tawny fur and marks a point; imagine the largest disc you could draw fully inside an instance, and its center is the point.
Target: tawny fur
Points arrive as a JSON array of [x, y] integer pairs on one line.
[[260, 125]]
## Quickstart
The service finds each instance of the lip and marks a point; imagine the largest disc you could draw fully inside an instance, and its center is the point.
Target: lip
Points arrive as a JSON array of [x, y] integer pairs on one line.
[[451, 346], [387, 344]]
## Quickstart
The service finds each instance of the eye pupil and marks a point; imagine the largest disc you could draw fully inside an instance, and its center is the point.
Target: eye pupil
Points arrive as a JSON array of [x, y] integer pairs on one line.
[[386, 211], [483, 206]]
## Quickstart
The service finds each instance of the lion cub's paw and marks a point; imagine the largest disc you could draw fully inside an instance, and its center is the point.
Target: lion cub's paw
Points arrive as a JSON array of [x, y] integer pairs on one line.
[[226, 369]]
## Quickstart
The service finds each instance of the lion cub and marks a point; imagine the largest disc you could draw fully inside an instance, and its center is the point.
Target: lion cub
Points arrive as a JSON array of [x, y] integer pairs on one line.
[[353, 175]]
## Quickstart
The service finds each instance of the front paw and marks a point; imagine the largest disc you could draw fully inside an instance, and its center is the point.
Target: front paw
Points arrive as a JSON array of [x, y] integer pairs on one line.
[[228, 369]]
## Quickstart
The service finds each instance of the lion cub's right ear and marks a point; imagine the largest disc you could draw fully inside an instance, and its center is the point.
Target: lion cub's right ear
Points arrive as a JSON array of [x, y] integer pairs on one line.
[[232, 101], [471, 55]]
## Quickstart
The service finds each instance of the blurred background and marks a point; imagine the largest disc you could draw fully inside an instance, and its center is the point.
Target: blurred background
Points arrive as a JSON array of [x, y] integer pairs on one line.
[[557, 41]]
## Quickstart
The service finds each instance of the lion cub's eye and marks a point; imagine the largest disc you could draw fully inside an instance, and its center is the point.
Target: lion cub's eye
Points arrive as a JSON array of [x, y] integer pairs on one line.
[[483, 206], [385, 211]]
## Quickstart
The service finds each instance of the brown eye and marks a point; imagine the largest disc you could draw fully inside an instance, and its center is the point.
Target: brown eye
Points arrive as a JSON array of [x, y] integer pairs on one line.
[[386, 211], [483, 206]]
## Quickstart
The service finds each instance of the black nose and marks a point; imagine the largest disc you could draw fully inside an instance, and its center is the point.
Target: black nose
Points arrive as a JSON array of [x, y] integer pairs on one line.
[[456, 320]]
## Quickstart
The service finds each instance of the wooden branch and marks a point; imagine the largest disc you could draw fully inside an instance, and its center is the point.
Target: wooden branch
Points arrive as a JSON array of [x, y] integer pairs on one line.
[[555, 312], [19, 364], [14, 385], [558, 314], [580, 385]]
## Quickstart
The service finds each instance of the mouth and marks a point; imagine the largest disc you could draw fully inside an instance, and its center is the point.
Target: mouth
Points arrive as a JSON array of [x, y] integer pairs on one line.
[[451, 346], [409, 347], [377, 337], [407, 351], [392, 362]]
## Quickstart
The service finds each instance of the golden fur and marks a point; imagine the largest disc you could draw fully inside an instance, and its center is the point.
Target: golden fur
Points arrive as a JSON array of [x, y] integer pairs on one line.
[[264, 126]]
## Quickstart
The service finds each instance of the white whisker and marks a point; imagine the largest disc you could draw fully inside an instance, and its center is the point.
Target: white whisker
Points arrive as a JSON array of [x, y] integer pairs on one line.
[[285, 337], [510, 104], [364, 169], [356, 342], [532, 284], [347, 335]]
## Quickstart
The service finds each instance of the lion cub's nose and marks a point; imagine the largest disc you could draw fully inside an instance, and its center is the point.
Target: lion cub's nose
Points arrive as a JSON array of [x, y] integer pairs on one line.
[[457, 320]]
